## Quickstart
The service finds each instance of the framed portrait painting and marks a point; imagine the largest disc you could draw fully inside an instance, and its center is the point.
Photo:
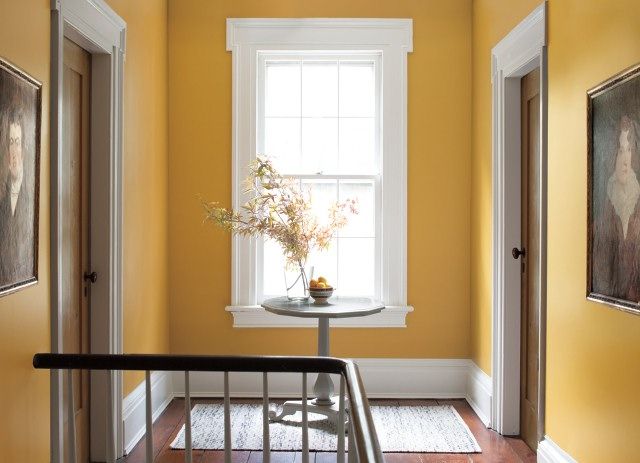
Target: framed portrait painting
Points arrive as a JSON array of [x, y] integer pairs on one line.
[[614, 191], [20, 113]]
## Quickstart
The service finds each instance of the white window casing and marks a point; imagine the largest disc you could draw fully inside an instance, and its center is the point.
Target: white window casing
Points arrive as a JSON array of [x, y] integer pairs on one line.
[[391, 39]]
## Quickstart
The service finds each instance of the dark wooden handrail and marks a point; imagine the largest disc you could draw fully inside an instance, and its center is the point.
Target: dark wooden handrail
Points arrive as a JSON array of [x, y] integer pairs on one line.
[[159, 362], [365, 435]]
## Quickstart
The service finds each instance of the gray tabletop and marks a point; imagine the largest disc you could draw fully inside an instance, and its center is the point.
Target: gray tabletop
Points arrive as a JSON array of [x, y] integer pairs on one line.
[[337, 307]]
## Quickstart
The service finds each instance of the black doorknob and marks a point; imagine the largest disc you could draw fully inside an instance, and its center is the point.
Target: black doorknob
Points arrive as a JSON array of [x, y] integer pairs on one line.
[[516, 253], [92, 277]]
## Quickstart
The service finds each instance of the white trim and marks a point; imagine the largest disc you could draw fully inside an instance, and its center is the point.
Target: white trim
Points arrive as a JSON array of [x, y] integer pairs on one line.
[[391, 37], [521, 51], [98, 29], [479, 393], [550, 452], [258, 317], [320, 31], [133, 407], [420, 379]]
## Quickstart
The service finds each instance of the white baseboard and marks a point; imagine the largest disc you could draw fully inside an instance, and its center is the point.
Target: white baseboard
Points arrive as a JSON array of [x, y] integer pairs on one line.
[[133, 406], [550, 452], [383, 378], [414, 378], [479, 393]]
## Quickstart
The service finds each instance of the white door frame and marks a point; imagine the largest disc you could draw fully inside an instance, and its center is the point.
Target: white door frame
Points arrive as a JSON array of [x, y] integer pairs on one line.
[[93, 25], [520, 52]]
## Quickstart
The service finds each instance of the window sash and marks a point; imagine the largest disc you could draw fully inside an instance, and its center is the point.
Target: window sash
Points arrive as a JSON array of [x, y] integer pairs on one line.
[[378, 246], [349, 58]]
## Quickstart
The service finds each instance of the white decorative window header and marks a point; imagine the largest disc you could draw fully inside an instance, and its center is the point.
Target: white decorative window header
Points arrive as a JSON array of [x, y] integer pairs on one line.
[[311, 33]]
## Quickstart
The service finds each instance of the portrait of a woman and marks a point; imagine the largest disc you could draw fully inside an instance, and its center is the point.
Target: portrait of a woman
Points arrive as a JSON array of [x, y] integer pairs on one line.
[[616, 249]]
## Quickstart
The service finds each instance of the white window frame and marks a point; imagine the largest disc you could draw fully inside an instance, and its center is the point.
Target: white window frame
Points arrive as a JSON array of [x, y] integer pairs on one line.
[[392, 39]]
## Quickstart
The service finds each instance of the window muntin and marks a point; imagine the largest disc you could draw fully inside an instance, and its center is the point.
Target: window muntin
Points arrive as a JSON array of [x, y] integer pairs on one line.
[[319, 119]]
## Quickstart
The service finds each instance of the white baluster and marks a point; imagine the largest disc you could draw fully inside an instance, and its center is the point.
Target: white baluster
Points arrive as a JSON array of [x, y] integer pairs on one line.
[[227, 420], [149, 428], [305, 421], [266, 444], [188, 454], [71, 419], [341, 422], [353, 452]]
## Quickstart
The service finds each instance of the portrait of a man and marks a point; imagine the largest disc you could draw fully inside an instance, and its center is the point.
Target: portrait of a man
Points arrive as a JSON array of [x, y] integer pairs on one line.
[[614, 192], [20, 100]]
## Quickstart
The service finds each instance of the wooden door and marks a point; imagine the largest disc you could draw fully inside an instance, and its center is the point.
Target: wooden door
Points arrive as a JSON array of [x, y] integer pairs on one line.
[[530, 282], [75, 229]]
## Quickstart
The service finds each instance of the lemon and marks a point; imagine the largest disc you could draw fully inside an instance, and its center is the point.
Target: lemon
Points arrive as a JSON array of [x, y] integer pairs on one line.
[[322, 280], [322, 285]]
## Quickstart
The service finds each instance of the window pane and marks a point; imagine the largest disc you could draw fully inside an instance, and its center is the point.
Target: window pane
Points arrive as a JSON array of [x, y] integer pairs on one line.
[[273, 269], [325, 263], [282, 143], [319, 89], [362, 224], [319, 145], [356, 257], [357, 90], [323, 194], [357, 145], [283, 89]]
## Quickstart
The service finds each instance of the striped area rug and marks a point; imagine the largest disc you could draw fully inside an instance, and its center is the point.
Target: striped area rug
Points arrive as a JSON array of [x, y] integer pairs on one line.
[[426, 428]]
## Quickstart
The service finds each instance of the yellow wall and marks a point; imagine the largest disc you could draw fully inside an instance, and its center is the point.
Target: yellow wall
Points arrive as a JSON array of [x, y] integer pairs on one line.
[[492, 20], [24, 316], [439, 172], [146, 138], [593, 360]]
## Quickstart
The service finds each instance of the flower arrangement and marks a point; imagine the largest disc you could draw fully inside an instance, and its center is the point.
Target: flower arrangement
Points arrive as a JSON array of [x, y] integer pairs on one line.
[[281, 210]]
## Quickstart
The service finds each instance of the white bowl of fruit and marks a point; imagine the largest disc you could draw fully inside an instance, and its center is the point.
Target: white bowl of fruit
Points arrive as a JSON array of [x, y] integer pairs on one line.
[[320, 290]]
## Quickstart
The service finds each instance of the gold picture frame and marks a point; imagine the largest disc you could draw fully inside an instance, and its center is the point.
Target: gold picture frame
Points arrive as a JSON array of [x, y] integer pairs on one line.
[[20, 132], [613, 191]]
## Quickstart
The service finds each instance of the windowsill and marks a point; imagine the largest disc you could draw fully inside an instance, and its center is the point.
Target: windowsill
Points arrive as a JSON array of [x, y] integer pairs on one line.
[[257, 317]]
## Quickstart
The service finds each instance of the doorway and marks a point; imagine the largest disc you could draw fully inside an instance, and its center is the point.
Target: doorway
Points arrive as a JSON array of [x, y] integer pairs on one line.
[[520, 228], [87, 61], [530, 257], [76, 263]]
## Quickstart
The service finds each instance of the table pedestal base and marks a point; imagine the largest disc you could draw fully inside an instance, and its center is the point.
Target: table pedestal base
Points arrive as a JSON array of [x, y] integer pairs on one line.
[[290, 407]]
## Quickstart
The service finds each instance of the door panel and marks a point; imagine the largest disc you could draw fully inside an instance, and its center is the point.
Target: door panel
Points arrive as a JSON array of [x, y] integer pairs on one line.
[[530, 280], [75, 228]]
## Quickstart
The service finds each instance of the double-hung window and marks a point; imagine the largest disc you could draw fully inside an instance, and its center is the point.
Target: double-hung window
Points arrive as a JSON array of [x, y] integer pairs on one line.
[[326, 101], [318, 118]]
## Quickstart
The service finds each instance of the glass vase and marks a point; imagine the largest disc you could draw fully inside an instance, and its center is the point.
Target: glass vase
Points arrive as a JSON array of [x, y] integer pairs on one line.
[[297, 283]]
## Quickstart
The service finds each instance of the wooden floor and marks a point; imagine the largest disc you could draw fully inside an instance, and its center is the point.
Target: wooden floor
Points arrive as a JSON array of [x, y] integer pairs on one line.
[[495, 448]]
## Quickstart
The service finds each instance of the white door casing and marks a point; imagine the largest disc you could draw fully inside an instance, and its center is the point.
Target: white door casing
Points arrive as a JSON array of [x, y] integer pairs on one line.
[[520, 52], [94, 26]]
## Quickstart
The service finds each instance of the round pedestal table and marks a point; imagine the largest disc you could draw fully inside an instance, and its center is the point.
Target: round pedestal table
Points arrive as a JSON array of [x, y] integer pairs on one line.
[[338, 307]]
